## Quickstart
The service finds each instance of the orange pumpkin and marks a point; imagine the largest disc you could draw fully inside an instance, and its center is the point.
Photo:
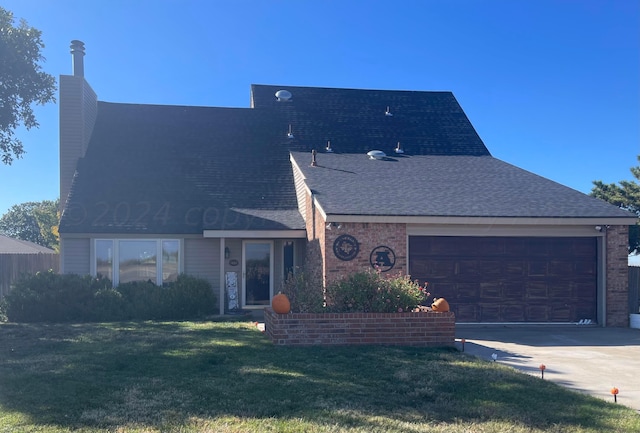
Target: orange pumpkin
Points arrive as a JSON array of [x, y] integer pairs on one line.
[[441, 305], [280, 304]]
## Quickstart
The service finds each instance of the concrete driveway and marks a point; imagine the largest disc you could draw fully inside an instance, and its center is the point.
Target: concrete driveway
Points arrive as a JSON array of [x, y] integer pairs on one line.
[[584, 358]]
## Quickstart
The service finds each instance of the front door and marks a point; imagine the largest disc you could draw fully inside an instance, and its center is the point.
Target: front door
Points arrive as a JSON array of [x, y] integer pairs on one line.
[[257, 269]]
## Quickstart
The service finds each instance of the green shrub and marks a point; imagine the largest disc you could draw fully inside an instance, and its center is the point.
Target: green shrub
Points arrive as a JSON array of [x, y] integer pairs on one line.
[[305, 293], [370, 292], [51, 297], [109, 305], [188, 297], [142, 300]]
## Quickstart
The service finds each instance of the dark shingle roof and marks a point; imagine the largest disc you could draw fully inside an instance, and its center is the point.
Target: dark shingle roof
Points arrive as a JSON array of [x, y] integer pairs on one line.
[[177, 169], [457, 186], [173, 169], [425, 123]]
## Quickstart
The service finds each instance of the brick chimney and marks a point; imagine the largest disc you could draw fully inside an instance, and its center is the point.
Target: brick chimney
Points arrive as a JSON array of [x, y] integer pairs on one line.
[[78, 109]]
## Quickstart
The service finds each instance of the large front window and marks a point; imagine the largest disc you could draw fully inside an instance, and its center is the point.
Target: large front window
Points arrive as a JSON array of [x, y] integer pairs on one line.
[[125, 260]]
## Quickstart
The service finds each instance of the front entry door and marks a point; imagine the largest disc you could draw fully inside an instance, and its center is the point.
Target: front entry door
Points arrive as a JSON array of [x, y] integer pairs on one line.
[[257, 269]]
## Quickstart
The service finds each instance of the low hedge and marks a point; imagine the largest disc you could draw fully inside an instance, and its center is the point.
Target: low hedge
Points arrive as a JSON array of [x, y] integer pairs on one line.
[[51, 297]]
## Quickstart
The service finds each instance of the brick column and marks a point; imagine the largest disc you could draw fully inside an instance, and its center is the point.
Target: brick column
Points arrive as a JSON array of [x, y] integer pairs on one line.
[[617, 282]]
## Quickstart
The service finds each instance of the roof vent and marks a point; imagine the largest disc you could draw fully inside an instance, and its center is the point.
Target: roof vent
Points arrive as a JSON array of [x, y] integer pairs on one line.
[[328, 149], [283, 95], [388, 113], [290, 133], [376, 154], [398, 149]]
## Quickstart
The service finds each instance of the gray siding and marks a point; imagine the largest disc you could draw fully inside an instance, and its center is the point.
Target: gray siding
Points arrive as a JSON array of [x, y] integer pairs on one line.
[[202, 259], [301, 195], [76, 256]]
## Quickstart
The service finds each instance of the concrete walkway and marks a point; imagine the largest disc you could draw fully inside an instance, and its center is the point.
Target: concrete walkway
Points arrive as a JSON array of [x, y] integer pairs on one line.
[[587, 359]]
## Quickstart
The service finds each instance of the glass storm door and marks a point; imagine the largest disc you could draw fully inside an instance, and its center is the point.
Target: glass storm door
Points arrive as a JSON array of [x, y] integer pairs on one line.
[[257, 271]]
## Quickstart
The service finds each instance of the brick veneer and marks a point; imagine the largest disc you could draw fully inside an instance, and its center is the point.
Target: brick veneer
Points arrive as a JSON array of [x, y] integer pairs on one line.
[[617, 284], [338, 329]]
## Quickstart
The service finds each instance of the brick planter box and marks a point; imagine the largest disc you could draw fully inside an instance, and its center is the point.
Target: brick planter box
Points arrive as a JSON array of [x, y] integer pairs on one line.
[[337, 329]]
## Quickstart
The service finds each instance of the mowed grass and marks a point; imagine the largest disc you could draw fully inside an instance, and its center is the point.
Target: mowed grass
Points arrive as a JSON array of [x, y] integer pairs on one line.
[[227, 377]]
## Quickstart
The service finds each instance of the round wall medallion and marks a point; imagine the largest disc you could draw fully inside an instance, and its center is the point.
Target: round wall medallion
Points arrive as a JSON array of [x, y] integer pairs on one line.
[[346, 247], [382, 258]]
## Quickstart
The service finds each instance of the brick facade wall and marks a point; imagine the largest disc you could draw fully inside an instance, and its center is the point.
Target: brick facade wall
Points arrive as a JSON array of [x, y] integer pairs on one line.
[[617, 276], [338, 329], [369, 236]]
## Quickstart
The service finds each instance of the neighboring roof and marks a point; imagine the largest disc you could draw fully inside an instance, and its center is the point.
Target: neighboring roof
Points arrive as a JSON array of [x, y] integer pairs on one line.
[[17, 246], [452, 186], [354, 120]]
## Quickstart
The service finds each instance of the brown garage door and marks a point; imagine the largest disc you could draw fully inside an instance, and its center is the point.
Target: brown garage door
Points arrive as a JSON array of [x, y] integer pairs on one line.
[[503, 279]]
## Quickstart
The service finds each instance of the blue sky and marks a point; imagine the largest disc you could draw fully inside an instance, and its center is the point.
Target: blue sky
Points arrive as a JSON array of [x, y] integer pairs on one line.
[[551, 86]]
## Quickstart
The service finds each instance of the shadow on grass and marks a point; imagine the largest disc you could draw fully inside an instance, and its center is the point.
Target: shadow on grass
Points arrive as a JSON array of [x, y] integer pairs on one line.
[[164, 374]]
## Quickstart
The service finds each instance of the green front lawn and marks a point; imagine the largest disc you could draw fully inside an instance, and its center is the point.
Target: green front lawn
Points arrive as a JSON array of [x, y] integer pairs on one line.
[[227, 377]]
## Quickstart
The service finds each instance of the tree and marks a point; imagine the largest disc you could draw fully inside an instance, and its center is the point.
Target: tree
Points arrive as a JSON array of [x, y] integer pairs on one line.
[[625, 195], [22, 82], [34, 222]]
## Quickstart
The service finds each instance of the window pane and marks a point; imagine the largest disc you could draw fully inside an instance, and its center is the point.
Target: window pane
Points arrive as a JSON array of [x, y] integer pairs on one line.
[[170, 252], [104, 258], [288, 259], [138, 260]]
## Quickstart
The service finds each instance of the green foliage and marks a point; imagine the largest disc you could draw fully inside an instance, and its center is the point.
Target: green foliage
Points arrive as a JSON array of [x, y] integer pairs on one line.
[[188, 297], [370, 292], [304, 290], [51, 297], [23, 83], [626, 195], [34, 222]]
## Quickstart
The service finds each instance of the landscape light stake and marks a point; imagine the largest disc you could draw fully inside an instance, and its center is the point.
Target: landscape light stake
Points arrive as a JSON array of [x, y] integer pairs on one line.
[[615, 392], [542, 369]]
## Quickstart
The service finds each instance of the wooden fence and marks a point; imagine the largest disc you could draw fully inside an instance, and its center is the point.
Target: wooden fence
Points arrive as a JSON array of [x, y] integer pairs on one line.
[[12, 266], [634, 289]]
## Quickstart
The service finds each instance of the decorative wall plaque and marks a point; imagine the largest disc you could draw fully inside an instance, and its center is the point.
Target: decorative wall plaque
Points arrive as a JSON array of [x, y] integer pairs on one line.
[[382, 258], [346, 247]]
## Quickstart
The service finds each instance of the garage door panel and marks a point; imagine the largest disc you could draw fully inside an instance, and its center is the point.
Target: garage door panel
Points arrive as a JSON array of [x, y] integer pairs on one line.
[[536, 290], [561, 313], [469, 292], [490, 291], [537, 268], [491, 247], [513, 292], [513, 313], [490, 313], [561, 268], [466, 313], [514, 268], [506, 279], [468, 269], [537, 313], [491, 268]]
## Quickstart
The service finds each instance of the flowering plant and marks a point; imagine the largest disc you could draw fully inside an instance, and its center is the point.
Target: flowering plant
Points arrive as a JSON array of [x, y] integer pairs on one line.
[[370, 292]]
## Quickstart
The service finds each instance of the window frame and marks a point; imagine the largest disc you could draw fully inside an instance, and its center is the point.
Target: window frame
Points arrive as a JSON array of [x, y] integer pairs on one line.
[[115, 257]]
